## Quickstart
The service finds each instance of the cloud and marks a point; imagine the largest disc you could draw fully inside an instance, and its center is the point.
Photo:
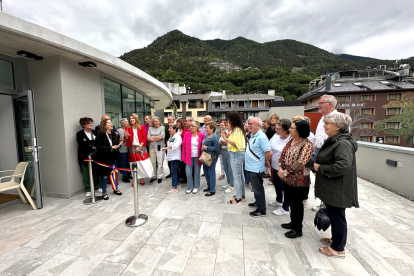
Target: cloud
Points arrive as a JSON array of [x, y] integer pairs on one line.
[[375, 29]]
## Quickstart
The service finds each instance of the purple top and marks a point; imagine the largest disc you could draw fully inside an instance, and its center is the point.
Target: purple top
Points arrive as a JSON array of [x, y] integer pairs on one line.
[[146, 132], [203, 130]]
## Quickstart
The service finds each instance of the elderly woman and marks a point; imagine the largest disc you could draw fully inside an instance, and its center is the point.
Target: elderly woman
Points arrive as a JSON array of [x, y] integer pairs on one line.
[[174, 156], [123, 150], [211, 145], [294, 171], [107, 144], [336, 179], [191, 152], [273, 120], [137, 152], [156, 135], [236, 144], [277, 143], [225, 157]]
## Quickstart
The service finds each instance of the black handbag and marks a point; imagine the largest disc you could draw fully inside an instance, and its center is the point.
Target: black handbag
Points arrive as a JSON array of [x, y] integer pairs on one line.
[[321, 220]]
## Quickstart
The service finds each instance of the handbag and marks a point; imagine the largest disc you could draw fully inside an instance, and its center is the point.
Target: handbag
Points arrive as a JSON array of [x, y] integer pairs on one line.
[[206, 159]]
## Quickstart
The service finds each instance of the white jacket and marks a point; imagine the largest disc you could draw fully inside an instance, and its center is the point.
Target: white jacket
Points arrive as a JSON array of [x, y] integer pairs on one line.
[[175, 152]]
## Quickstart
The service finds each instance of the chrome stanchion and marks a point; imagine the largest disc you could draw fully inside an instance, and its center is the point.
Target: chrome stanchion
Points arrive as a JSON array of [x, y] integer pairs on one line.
[[137, 219], [93, 199]]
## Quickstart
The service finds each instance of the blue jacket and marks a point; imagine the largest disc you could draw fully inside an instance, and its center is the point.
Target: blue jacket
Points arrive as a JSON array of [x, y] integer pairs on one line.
[[213, 145]]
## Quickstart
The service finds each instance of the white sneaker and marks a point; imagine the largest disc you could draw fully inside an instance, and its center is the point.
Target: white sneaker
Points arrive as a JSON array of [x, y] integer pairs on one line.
[[226, 186], [88, 194], [188, 191], [305, 203], [195, 191], [280, 211], [275, 203], [229, 189], [99, 190]]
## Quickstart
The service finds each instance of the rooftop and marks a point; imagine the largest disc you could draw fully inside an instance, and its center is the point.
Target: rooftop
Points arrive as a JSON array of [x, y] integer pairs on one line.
[[246, 97], [186, 97], [198, 235]]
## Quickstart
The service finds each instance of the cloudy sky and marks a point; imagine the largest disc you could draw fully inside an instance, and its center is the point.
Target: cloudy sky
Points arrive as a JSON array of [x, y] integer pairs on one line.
[[380, 29]]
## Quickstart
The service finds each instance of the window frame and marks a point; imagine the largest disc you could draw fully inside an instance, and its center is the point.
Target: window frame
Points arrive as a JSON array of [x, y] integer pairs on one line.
[[347, 98], [369, 138], [373, 97], [393, 142], [392, 114], [370, 108], [371, 125], [398, 94], [398, 125]]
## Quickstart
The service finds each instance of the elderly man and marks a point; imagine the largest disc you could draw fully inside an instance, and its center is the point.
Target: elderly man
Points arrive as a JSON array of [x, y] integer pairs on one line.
[[188, 121], [258, 153], [207, 120], [326, 105], [171, 120], [98, 127]]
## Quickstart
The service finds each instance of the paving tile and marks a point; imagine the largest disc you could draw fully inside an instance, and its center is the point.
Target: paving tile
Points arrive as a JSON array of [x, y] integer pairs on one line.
[[229, 257], [176, 255], [255, 244], [387, 249], [164, 233], [231, 231], [405, 267], [200, 264], [256, 267], [145, 261], [208, 238], [286, 260], [54, 266]]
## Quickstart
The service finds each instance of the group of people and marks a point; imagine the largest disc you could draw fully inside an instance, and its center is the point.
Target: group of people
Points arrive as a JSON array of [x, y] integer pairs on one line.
[[287, 149]]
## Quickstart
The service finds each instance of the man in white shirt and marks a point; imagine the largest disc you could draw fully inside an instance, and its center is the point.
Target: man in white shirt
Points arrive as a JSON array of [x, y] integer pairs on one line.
[[326, 105]]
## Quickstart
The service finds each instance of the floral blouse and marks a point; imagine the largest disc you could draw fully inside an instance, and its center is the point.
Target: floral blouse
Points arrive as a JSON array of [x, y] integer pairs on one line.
[[289, 155]]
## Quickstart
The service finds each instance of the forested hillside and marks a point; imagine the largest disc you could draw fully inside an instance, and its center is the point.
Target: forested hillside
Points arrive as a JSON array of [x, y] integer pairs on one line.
[[176, 57]]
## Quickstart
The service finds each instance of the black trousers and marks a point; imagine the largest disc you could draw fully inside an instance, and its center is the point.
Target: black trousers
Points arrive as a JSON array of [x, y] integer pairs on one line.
[[339, 227], [181, 168], [259, 192], [296, 195]]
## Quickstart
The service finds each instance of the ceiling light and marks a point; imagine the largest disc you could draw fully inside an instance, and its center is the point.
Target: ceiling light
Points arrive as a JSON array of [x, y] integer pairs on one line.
[[29, 55], [87, 64]]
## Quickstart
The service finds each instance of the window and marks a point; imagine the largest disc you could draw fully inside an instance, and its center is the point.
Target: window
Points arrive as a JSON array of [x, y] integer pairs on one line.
[[201, 113], [241, 104], [365, 138], [177, 104], [255, 103], [217, 105], [343, 98], [179, 114], [112, 95], [393, 111], [368, 97], [228, 104], [147, 106], [396, 96], [267, 103], [392, 125], [367, 125], [189, 114], [166, 114], [367, 111], [128, 101], [6, 75], [392, 139], [195, 104], [139, 102]]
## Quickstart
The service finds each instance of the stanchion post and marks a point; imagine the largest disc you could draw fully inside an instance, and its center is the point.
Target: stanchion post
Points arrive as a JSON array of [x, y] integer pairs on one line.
[[93, 199], [137, 219]]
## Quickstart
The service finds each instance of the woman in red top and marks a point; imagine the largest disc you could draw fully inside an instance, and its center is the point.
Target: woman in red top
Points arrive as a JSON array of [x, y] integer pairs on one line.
[[137, 152]]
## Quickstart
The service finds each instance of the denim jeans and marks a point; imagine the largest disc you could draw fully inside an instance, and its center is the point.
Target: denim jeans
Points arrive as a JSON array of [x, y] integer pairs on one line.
[[175, 174], [124, 163], [104, 180], [315, 153], [225, 157], [280, 190], [210, 174], [246, 173], [193, 183], [236, 161], [259, 192]]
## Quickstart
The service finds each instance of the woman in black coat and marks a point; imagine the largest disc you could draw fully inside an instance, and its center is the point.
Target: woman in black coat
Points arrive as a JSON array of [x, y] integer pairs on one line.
[[336, 179], [107, 144]]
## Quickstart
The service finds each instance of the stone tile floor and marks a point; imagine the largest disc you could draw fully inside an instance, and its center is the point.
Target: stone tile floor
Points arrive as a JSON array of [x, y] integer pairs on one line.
[[198, 235]]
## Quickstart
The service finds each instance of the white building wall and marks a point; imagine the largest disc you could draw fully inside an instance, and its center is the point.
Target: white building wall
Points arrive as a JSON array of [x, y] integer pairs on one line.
[[8, 149], [287, 112]]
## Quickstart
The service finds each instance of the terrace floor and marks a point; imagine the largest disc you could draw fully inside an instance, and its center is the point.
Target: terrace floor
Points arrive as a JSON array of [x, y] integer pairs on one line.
[[198, 235]]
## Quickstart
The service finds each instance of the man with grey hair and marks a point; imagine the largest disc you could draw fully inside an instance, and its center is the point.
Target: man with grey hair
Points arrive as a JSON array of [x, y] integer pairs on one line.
[[207, 119], [188, 121], [326, 106], [258, 153], [171, 120]]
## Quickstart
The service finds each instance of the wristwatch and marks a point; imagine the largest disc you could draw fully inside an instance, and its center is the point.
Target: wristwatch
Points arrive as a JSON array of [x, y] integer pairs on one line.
[[284, 173]]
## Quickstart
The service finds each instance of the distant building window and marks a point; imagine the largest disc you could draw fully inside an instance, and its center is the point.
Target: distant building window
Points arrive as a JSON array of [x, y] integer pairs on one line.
[[179, 114], [201, 113], [241, 104], [255, 103], [195, 104], [368, 97], [396, 96], [367, 111], [392, 139], [217, 105], [228, 104], [393, 111], [367, 125], [365, 138], [267, 102], [189, 114], [343, 98], [392, 125], [166, 114]]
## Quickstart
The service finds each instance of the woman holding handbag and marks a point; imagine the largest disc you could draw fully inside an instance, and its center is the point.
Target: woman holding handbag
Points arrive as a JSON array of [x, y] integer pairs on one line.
[[191, 152], [294, 172], [211, 146]]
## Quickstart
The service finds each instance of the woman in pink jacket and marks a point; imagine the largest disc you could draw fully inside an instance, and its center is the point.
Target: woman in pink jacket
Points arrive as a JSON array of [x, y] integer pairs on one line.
[[191, 152]]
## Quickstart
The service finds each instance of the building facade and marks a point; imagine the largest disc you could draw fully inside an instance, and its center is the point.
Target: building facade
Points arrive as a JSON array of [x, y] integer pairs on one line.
[[47, 83], [193, 105]]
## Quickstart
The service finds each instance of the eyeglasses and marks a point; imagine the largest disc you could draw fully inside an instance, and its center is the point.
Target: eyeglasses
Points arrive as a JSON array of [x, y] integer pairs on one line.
[[327, 123], [320, 103]]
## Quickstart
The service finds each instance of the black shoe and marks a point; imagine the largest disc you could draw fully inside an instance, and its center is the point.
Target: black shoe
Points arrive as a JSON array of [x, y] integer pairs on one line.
[[117, 192], [152, 180], [126, 180], [253, 205], [210, 194], [105, 197], [159, 180], [287, 225], [130, 177], [293, 234], [168, 176], [206, 190], [257, 214]]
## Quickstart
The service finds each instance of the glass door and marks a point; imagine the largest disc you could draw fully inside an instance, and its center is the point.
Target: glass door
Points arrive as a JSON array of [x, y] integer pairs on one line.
[[28, 148]]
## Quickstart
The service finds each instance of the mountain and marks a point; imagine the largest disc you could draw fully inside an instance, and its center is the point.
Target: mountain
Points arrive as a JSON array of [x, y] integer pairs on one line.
[[351, 57]]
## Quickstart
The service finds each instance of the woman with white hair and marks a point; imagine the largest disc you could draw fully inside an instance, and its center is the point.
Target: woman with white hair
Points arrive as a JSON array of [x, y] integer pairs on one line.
[[336, 179], [156, 135]]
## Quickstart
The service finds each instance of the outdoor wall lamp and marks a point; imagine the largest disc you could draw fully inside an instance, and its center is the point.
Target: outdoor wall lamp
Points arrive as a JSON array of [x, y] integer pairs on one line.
[[87, 64], [29, 55]]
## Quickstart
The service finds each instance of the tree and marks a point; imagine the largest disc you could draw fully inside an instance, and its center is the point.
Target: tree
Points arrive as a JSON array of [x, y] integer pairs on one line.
[[406, 118]]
